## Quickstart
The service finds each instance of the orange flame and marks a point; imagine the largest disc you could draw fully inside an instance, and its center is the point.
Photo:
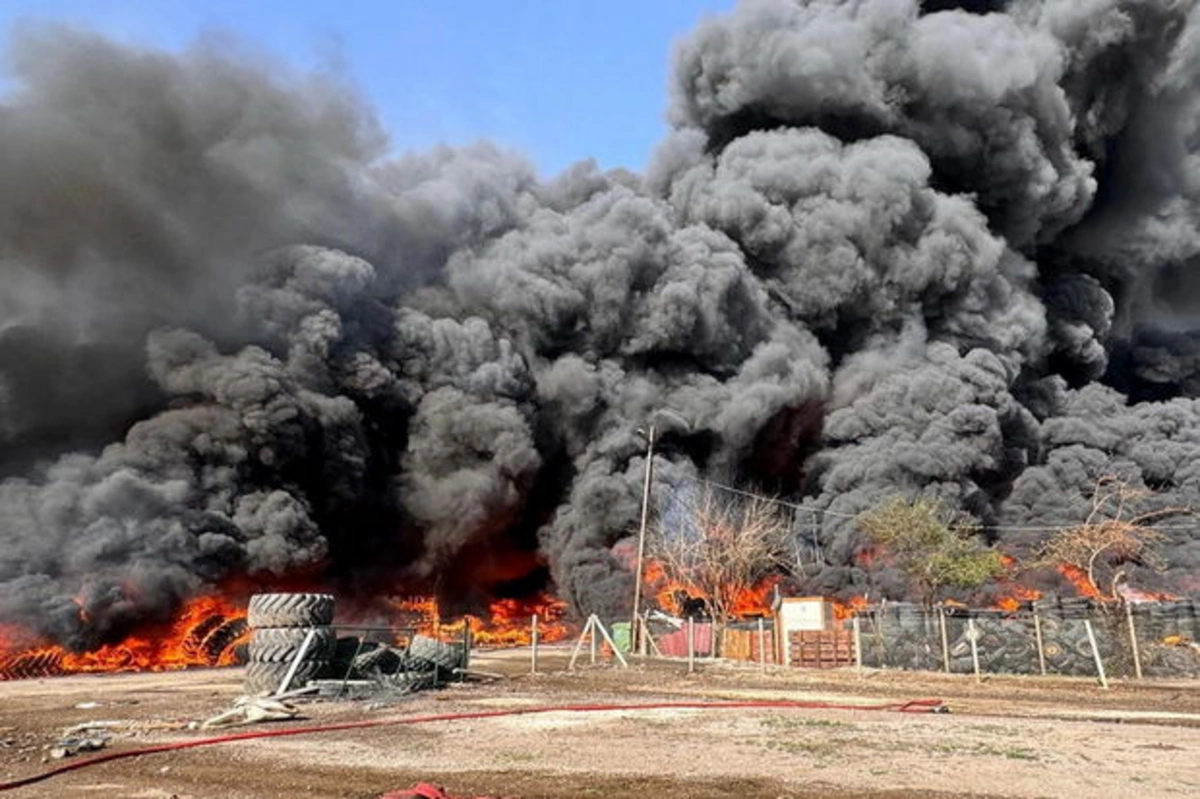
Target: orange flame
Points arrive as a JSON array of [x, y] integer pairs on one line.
[[205, 633], [1013, 595], [667, 592], [1017, 595], [850, 608], [1078, 578], [508, 622], [419, 612], [756, 600]]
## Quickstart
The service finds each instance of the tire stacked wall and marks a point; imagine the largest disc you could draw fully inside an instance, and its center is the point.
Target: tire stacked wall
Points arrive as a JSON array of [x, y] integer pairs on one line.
[[906, 636], [1160, 622]]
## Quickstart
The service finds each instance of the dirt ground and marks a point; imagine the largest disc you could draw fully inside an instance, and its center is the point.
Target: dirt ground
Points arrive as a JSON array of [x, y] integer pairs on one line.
[[1004, 737]]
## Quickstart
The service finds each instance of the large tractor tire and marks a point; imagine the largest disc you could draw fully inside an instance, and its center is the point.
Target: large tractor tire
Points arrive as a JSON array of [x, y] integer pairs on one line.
[[427, 654], [264, 678], [290, 610], [282, 644], [409, 681], [380, 660]]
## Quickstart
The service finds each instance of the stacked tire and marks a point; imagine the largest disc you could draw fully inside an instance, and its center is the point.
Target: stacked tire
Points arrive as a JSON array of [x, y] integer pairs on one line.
[[279, 626]]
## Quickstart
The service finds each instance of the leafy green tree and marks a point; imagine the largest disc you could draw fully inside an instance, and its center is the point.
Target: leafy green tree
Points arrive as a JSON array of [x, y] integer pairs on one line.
[[933, 547]]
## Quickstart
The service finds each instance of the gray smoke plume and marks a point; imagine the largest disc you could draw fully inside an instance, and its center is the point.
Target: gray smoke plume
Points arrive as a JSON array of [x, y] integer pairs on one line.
[[938, 248]]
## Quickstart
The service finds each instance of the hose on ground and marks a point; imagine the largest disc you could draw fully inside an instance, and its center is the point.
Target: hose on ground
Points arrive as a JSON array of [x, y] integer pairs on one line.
[[911, 706]]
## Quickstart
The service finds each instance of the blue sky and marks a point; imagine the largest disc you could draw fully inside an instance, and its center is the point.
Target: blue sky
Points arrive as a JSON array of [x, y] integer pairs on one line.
[[559, 81]]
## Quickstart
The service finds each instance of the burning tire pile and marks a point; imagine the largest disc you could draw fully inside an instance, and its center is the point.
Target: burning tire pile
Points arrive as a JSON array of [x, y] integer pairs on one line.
[[216, 639], [30, 665]]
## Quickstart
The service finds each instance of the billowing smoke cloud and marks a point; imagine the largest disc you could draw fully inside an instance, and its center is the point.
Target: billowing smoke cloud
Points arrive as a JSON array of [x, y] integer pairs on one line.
[[888, 247], [1002, 238]]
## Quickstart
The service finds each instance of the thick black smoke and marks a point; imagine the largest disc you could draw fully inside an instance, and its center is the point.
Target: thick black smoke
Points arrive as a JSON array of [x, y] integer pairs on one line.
[[888, 247]]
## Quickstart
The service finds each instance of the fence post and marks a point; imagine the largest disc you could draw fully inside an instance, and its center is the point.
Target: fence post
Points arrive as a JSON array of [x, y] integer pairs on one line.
[[762, 646], [857, 644], [880, 642], [1037, 631], [595, 637], [466, 642], [973, 636], [945, 641], [1087, 625], [533, 641], [1137, 657], [589, 627], [608, 639], [691, 644]]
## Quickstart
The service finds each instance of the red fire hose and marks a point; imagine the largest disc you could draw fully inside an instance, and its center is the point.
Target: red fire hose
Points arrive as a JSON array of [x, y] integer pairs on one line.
[[911, 706]]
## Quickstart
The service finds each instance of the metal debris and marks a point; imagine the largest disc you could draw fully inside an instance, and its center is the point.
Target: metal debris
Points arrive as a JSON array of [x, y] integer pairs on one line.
[[71, 746]]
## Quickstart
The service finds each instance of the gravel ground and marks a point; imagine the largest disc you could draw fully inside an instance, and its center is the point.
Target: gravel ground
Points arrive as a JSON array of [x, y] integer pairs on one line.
[[1004, 737]]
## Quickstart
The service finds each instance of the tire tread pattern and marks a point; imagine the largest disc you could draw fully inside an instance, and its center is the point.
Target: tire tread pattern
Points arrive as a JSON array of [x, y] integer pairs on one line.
[[280, 644], [427, 654], [290, 610], [264, 678]]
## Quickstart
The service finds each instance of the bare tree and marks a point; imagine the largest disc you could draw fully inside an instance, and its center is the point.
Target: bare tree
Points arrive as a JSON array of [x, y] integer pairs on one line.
[[721, 544], [1113, 534]]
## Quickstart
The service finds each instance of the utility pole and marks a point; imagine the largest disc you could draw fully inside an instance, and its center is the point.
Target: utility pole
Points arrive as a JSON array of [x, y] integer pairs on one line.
[[635, 627]]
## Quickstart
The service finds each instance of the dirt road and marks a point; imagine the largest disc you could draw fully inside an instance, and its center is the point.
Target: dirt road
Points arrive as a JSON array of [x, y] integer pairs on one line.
[[1005, 737]]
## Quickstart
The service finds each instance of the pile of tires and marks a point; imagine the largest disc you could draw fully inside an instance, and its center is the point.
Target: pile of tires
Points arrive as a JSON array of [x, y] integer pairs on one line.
[[424, 663], [279, 626], [431, 655]]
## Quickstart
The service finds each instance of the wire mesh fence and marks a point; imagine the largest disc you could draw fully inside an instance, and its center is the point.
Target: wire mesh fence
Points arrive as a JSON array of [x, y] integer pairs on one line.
[[1065, 637], [1061, 637]]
